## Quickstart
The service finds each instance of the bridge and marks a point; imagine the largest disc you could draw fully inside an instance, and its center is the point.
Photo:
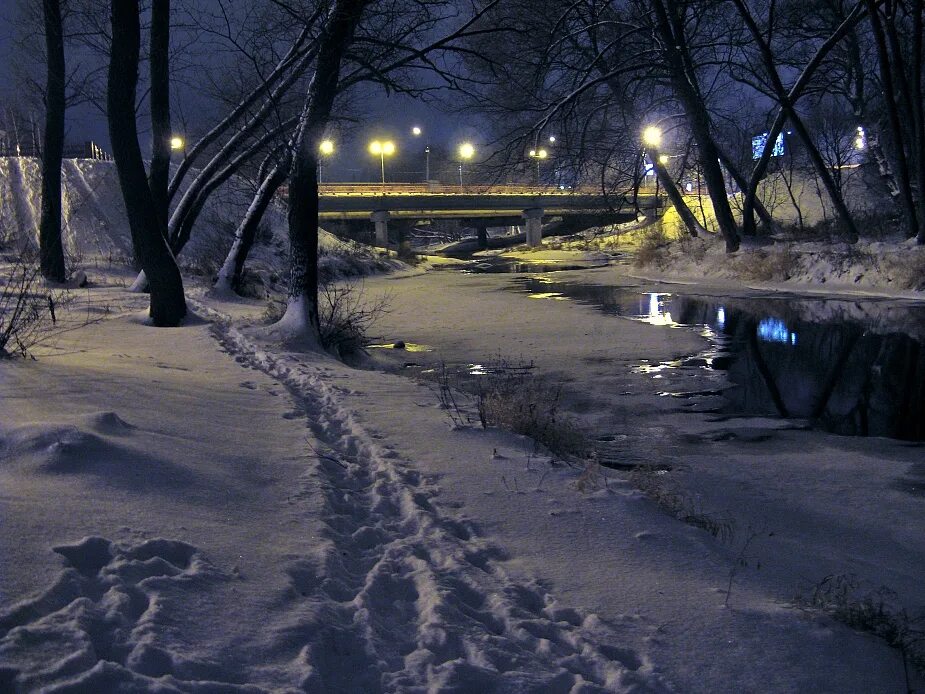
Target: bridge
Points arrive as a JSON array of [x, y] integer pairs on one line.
[[381, 202]]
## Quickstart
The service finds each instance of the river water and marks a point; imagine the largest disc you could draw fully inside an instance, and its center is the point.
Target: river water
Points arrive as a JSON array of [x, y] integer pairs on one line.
[[853, 367]]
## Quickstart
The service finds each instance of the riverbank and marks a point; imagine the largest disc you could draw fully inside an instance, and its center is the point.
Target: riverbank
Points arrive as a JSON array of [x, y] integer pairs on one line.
[[817, 504]]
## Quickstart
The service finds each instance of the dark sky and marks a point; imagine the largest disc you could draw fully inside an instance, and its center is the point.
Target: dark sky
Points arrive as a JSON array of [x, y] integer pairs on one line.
[[380, 116]]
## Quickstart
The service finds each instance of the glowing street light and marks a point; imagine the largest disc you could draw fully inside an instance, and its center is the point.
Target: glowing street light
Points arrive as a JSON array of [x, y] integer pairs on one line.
[[539, 155], [466, 152], [860, 141], [416, 131], [552, 139], [176, 143], [382, 150], [663, 159], [652, 136], [326, 148]]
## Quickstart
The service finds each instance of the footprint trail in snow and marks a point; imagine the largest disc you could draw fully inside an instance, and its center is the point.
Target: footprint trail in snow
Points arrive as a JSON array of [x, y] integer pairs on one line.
[[400, 597], [396, 596]]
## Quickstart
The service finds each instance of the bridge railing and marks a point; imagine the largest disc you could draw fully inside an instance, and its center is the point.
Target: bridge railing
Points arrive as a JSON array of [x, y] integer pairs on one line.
[[406, 189]]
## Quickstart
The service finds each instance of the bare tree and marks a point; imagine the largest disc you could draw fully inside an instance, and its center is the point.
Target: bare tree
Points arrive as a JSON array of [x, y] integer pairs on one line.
[[301, 317], [159, 64], [51, 248], [168, 304]]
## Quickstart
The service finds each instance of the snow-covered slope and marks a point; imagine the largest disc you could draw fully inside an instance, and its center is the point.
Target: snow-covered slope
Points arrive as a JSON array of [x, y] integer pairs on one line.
[[95, 226]]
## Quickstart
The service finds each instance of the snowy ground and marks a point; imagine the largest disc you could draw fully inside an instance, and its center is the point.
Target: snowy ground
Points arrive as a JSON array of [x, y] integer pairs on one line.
[[186, 507], [198, 510]]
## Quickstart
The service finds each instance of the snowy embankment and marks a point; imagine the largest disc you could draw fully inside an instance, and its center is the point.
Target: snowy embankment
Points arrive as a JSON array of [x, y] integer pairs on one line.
[[95, 226]]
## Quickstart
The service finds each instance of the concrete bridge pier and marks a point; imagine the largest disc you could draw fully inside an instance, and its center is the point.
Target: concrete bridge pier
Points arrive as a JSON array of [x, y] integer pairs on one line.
[[381, 219], [482, 231], [534, 219]]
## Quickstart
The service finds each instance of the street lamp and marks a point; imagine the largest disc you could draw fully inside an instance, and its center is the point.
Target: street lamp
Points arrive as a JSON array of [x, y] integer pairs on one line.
[[552, 139], [326, 149], [382, 150], [652, 136], [176, 143], [416, 131], [466, 152], [539, 155], [426, 164]]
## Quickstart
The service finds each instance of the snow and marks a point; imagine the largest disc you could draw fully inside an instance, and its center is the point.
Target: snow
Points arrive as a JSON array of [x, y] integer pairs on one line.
[[207, 508]]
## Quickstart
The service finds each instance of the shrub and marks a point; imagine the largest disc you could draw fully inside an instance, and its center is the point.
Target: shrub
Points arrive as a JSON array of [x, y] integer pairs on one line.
[[666, 493], [511, 397], [344, 316], [776, 265], [842, 597], [653, 247], [27, 310]]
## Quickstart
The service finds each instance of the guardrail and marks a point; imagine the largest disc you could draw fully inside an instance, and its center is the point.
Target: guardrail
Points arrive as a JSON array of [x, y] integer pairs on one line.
[[432, 189]]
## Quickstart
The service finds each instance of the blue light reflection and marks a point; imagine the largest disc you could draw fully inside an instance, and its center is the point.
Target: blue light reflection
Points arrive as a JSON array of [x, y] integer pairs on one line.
[[775, 330]]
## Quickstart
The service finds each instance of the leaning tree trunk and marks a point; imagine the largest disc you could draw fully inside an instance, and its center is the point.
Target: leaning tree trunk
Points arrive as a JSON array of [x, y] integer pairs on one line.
[[160, 109], [51, 249], [792, 96], [685, 85], [694, 228], [229, 277], [188, 200], [168, 304]]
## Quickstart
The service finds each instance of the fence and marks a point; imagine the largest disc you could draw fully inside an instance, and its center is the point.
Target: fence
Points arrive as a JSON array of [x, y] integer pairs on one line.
[[88, 150]]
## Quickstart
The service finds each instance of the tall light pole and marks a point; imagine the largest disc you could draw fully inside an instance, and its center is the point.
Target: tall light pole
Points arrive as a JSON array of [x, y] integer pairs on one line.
[[382, 149], [466, 152], [652, 140], [539, 155], [326, 149], [416, 131]]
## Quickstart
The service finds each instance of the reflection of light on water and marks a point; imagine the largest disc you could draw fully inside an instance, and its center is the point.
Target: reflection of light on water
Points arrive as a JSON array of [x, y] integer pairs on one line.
[[477, 370], [658, 315], [656, 368], [721, 317], [775, 330], [555, 296], [409, 347]]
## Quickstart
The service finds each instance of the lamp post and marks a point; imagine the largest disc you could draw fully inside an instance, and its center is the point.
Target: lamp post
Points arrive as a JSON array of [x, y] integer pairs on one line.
[[539, 155], [652, 139], [663, 160], [382, 150], [426, 164], [325, 149], [466, 152]]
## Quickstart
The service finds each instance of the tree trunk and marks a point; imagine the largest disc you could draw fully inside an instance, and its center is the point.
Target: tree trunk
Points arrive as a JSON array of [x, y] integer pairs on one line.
[[181, 234], [188, 199], [743, 185], [301, 317], [694, 227], [229, 277], [160, 109], [788, 109], [284, 64], [896, 131], [796, 91], [51, 248], [684, 82], [168, 304]]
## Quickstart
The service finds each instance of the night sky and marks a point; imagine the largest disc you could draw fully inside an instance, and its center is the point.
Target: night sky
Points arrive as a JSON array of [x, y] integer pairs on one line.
[[381, 117]]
